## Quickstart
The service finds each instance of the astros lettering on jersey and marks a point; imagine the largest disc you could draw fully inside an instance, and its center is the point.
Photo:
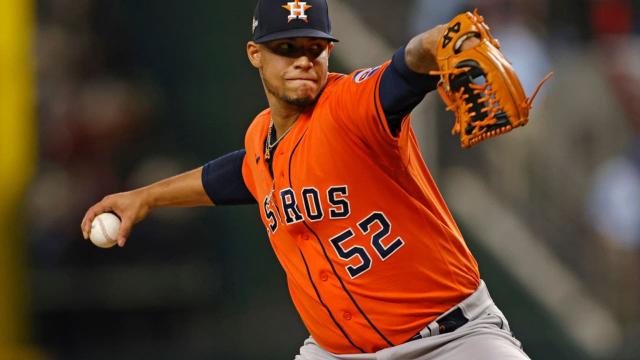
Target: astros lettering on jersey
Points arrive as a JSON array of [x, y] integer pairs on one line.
[[371, 252]]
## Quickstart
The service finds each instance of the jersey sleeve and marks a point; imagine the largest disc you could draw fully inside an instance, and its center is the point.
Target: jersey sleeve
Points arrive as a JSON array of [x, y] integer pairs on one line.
[[402, 89], [247, 177], [223, 182], [356, 108], [375, 102]]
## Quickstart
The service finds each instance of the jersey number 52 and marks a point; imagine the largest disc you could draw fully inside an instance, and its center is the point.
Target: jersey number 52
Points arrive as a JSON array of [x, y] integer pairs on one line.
[[377, 243]]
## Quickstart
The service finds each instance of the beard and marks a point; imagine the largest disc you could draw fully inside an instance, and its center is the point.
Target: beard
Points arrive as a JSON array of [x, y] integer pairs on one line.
[[301, 102]]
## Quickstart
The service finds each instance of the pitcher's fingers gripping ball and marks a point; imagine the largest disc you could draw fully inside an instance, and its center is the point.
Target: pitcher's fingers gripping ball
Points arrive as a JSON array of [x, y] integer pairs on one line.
[[104, 230], [478, 84]]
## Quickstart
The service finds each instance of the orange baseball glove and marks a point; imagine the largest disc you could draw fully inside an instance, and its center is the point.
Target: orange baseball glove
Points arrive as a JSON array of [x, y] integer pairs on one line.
[[478, 84]]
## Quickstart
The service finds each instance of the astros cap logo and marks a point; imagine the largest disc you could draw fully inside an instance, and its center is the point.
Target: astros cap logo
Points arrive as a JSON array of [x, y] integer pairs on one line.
[[297, 10], [270, 24]]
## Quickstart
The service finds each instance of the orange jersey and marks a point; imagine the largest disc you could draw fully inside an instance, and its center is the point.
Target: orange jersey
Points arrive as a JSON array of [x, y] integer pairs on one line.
[[371, 252]]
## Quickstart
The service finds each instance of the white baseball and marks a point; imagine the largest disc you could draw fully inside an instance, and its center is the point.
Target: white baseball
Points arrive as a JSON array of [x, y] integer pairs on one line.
[[104, 230]]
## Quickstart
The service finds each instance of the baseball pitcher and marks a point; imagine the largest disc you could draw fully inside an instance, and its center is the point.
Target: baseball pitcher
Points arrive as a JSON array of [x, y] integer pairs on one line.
[[376, 266]]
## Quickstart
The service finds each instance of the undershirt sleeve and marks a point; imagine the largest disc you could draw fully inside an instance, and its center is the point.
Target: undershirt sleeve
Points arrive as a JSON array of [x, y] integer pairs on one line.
[[402, 89], [223, 182]]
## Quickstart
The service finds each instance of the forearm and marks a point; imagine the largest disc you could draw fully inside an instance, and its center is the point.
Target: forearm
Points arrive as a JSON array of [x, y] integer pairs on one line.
[[406, 81], [133, 206], [183, 190]]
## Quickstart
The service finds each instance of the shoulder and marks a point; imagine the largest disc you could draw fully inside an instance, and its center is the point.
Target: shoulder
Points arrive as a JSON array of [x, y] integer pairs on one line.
[[260, 121], [333, 80]]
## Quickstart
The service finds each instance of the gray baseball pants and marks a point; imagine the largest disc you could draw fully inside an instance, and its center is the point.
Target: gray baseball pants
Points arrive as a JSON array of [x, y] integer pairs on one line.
[[486, 336]]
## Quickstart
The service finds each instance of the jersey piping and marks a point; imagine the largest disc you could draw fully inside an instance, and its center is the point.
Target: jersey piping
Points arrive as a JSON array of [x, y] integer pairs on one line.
[[333, 269], [326, 307]]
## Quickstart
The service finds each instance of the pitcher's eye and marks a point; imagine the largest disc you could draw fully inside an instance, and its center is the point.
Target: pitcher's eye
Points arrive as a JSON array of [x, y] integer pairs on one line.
[[316, 49], [286, 49]]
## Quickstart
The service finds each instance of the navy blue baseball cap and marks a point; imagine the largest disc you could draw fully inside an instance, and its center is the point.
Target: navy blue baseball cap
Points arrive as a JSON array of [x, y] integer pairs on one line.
[[283, 19]]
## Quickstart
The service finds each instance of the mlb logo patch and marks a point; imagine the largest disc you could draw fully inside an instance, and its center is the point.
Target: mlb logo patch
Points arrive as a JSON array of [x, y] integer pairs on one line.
[[363, 75]]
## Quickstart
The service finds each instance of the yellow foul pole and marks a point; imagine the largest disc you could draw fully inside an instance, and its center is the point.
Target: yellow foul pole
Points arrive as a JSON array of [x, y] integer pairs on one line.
[[17, 163]]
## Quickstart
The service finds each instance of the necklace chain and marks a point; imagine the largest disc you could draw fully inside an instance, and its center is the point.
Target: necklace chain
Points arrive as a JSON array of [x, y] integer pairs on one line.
[[268, 145]]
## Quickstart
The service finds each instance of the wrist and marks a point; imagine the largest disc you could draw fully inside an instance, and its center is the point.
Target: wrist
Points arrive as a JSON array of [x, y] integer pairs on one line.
[[429, 46], [147, 197], [420, 53]]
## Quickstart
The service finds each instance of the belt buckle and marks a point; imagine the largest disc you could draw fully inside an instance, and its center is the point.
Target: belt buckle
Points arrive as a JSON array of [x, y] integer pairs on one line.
[[446, 324], [452, 321]]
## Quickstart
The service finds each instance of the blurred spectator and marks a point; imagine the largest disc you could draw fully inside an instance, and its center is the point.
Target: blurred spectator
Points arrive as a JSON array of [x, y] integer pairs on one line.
[[88, 113], [611, 17], [429, 13], [614, 201]]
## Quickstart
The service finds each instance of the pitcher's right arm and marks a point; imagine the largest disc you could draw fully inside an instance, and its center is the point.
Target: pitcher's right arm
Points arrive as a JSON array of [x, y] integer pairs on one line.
[[217, 182]]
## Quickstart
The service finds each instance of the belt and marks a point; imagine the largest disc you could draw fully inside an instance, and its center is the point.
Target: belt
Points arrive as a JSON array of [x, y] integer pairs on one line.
[[469, 309], [443, 325]]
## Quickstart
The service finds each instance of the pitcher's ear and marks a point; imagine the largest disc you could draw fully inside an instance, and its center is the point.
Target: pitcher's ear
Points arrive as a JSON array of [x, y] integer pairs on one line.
[[254, 53]]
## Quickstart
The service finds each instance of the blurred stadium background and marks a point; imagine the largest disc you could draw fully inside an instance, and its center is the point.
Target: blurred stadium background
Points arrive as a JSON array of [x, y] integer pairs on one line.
[[100, 96]]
